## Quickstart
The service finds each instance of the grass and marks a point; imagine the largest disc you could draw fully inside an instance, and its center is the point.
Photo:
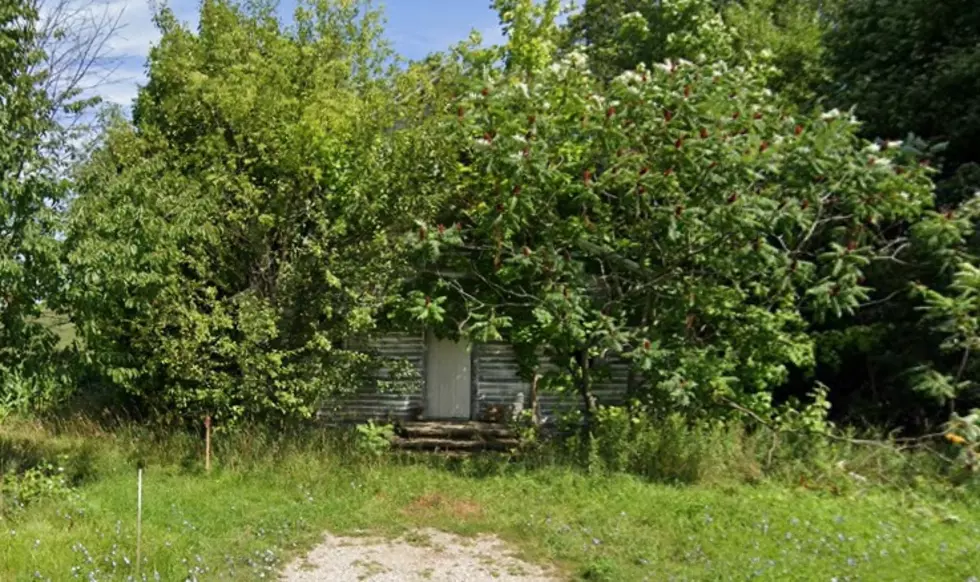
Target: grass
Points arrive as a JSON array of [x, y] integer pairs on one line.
[[60, 325], [269, 499]]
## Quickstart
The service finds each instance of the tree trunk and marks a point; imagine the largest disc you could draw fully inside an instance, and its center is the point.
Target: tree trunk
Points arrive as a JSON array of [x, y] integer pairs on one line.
[[585, 391], [535, 408], [633, 380]]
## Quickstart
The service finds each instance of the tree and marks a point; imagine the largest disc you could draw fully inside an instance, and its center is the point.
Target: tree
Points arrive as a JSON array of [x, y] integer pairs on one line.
[[913, 66], [681, 215], [618, 34], [29, 190], [906, 68], [225, 245]]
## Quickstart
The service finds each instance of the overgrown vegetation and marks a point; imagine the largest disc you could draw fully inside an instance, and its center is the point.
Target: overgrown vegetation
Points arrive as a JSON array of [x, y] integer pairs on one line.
[[750, 507], [660, 185], [768, 209]]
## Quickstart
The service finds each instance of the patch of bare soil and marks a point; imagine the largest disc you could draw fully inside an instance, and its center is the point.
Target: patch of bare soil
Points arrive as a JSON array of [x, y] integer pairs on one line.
[[425, 554]]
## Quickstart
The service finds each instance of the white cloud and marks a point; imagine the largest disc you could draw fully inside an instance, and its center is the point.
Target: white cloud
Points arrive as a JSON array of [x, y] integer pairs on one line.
[[137, 31]]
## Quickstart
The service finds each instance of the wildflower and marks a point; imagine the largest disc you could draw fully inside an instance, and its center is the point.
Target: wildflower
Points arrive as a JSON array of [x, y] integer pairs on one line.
[[666, 66], [523, 89], [955, 439], [629, 77], [832, 114], [577, 59], [876, 161], [873, 147], [893, 144]]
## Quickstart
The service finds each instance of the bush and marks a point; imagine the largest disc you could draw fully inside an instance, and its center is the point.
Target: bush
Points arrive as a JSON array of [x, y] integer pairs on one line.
[[672, 448]]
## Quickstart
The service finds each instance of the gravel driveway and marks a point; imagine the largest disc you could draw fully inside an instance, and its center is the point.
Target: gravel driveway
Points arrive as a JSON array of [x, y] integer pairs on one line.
[[425, 554]]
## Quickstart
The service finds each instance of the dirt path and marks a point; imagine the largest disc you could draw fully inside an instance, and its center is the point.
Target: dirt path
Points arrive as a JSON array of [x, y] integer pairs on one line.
[[425, 554]]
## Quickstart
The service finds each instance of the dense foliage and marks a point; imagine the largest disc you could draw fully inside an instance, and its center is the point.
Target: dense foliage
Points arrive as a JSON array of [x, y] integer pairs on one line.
[[30, 195], [681, 215], [681, 183], [618, 34], [913, 66], [225, 244]]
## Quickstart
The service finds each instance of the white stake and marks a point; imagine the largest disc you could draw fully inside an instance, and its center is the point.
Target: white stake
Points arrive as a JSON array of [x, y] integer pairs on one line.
[[139, 517]]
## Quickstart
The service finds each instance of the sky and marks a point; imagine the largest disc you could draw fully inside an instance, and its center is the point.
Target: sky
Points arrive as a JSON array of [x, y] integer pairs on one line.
[[415, 28]]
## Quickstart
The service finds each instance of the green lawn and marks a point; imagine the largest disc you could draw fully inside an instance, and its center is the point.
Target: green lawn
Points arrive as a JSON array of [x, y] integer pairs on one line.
[[242, 521]]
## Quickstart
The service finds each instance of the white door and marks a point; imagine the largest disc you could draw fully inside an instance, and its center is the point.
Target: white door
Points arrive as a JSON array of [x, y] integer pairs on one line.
[[447, 379]]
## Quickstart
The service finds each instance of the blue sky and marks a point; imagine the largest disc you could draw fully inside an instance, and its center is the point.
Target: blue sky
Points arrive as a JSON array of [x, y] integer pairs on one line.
[[415, 28]]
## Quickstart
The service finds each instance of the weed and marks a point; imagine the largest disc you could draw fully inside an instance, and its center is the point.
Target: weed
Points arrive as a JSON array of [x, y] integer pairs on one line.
[[270, 496]]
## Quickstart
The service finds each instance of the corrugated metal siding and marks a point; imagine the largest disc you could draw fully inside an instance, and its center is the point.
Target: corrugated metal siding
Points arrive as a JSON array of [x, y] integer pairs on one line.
[[495, 377], [388, 394], [497, 383]]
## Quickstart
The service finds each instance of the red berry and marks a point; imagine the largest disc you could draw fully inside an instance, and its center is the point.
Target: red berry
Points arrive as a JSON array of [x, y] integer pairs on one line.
[[763, 146], [587, 177], [485, 91], [757, 115], [679, 143], [610, 112], [644, 170], [668, 115], [733, 198], [798, 130], [704, 133], [646, 344]]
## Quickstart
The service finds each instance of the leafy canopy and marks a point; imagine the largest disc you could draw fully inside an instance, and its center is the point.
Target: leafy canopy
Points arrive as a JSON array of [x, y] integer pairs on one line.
[[682, 215]]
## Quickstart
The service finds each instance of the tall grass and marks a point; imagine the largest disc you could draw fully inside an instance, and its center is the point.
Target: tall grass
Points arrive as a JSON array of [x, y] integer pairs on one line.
[[741, 512]]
